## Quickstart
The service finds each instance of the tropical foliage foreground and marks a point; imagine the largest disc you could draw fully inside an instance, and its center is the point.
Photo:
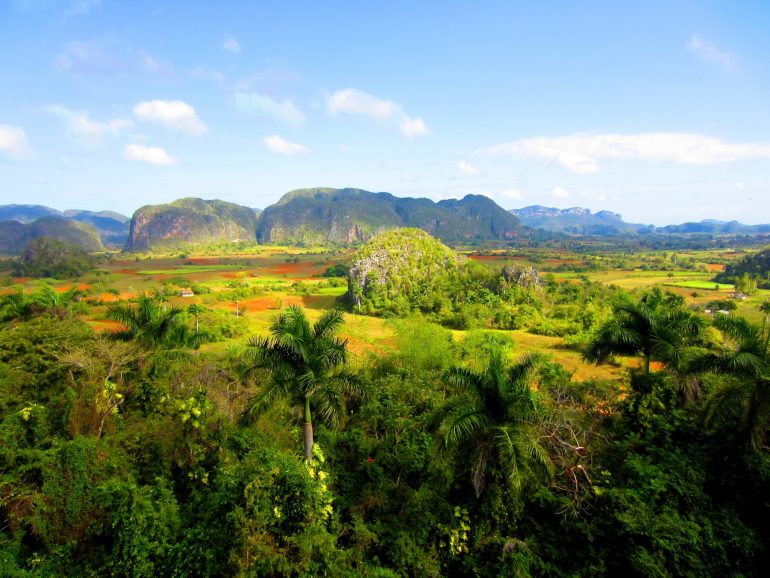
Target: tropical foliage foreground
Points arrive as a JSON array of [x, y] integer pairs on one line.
[[138, 455]]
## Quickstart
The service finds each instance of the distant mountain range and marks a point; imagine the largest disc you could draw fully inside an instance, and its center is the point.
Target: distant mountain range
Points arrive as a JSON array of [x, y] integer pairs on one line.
[[323, 216], [580, 221], [112, 227]]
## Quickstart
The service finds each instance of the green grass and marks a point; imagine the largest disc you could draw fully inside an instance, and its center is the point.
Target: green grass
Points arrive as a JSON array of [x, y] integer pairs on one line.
[[187, 269], [695, 284]]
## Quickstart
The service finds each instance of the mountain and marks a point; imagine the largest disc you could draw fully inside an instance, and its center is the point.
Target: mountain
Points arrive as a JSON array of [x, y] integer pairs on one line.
[[580, 221], [112, 226], [15, 235], [577, 221], [26, 213], [324, 215], [190, 221], [713, 227]]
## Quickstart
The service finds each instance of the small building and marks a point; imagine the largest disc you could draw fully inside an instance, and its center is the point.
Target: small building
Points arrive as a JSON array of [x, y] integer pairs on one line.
[[738, 295], [186, 293]]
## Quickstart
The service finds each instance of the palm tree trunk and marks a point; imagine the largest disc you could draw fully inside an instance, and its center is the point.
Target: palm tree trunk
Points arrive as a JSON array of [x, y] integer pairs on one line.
[[307, 430]]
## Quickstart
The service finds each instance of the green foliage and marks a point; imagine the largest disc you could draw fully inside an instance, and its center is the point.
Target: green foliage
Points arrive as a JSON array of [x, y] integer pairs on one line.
[[46, 257], [400, 271]]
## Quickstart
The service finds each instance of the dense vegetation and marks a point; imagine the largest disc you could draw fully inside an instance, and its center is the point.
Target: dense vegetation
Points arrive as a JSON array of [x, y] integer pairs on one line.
[[133, 453], [45, 257], [755, 267]]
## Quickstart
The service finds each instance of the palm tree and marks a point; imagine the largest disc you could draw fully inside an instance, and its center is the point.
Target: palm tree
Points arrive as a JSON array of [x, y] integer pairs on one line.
[[745, 357], [195, 310], [494, 417], [656, 327], [148, 324], [307, 365]]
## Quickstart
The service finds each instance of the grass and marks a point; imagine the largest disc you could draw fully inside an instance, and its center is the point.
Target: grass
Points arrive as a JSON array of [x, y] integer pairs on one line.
[[707, 285], [186, 270]]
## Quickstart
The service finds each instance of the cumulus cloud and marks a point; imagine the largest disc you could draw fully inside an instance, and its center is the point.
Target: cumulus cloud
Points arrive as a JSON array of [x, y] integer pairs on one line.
[[231, 45], [261, 105], [284, 147], [152, 155], [581, 153], [13, 142], [467, 169], [386, 112], [559, 193], [174, 114], [707, 51], [85, 130]]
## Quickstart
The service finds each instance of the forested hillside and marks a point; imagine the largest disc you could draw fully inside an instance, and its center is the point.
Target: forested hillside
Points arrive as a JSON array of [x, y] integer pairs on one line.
[[322, 216], [189, 222], [14, 235]]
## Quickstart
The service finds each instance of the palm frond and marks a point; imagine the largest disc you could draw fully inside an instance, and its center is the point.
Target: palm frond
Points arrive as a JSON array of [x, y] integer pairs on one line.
[[259, 403]]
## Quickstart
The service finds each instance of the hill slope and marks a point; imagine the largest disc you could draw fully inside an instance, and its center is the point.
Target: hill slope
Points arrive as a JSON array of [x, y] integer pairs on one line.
[[14, 235], [323, 215], [189, 221]]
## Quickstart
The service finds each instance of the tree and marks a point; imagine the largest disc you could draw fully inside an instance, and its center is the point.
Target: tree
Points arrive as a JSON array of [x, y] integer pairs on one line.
[[148, 324], [195, 310], [494, 417], [657, 327], [307, 365], [744, 356]]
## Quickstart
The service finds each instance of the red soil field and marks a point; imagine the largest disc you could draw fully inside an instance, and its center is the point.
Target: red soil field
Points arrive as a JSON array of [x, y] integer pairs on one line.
[[715, 267]]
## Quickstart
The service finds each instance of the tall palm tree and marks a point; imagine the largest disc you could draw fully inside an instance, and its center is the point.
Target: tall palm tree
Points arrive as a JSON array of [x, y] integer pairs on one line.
[[494, 417], [195, 310], [656, 327], [307, 365], [148, 324], [745, 356]]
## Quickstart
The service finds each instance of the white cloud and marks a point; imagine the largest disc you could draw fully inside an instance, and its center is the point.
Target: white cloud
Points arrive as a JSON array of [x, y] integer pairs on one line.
[[467, 169], [704, 49], [559, 193], [151, 155], [13, 142], [261, 105], [174, 114], [387, 112], [284, 147], [85, 130], [231, 45], [514, 195], [740, 185], [581, 153]]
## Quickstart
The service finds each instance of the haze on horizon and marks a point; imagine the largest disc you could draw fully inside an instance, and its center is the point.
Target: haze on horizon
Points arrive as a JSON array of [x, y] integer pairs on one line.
[[655, 110]]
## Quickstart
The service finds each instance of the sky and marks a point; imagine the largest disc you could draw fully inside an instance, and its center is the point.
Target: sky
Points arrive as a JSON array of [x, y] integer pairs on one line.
[[657, 110]]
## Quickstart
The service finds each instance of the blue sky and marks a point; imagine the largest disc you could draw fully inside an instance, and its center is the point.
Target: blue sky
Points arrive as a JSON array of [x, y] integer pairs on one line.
[[659, 111]]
